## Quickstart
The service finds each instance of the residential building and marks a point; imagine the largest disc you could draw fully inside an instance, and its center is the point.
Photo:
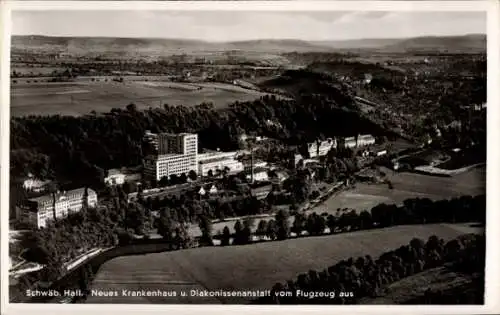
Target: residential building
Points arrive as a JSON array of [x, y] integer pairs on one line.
[[368, 78], [296, 159], [365, 140], [202, 191], [256, 164], [321, 148], [259, 174], [218, 161], [121, 176], [211, 190], [350, 142], [260, 191], [35, 185], [359, 141], [115, 177], [381, 152], [178, 153], [278, 176], [37, 211]]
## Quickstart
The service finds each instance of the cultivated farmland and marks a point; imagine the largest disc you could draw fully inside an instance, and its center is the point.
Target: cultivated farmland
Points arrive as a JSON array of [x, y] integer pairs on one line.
[[81, 97], [257, 266], [407, 185]]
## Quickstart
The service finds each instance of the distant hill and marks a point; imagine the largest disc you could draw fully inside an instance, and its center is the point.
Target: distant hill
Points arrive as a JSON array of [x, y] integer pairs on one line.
[[159, 47], [78, 45], [465, 43]]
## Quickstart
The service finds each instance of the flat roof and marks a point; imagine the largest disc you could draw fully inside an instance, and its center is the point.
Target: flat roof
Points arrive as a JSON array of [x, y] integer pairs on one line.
[[69, 192], [216, 159]]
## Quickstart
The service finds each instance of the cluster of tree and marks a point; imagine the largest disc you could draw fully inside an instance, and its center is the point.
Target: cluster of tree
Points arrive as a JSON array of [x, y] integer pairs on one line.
[[413, 211], [188, 207], [175, 233], [311, 86], [274, 229], [81, 148], [355, 71], [175, 179], [366, 277]]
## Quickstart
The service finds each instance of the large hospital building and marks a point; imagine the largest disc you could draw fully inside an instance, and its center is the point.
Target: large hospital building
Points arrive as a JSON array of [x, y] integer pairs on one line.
[[178, 154]]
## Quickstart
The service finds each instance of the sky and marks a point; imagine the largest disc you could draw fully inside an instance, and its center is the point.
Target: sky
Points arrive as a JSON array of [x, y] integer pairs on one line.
[[246, 25]]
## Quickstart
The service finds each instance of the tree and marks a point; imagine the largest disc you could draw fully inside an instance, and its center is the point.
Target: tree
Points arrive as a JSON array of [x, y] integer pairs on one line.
[[182, 238], [166, 226], [183, 178], [174, 179], [164, 181], [272, 230], [331, 222], [226, 236], [299, 223], [282, 224], [246, 233], [261, 228], [205, 225], [192, 175], [238, 235]]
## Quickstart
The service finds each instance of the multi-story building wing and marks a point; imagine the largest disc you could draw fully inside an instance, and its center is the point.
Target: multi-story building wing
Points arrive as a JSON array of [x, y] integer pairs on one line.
[[359, 141], [215, 161], [364, 140], [37, 211], [321, 148], [178, 154], [183, 143]]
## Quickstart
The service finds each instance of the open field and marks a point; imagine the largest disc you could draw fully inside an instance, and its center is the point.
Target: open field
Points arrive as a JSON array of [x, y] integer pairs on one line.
[[80, 97], [250, 267], [367, 196], [407, 185]]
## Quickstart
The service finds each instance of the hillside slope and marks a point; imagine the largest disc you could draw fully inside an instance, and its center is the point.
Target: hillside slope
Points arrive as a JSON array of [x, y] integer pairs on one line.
[[82, 45]]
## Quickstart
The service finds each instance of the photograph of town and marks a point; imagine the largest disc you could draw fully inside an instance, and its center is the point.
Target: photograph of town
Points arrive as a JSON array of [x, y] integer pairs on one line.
[[247, 157]]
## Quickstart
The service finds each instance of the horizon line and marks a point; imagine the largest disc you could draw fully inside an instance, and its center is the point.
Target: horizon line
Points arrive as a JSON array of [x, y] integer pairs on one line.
[[250, 40]]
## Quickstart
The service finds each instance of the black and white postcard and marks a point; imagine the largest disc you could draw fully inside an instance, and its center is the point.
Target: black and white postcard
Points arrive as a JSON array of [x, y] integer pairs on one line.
[[249, 154]]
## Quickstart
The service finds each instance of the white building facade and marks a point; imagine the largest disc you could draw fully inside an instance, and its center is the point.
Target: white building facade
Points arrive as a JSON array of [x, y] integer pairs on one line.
[[359, 141], [178, 154], [215, 161], [115, 177], [321, 148], [38, 211]]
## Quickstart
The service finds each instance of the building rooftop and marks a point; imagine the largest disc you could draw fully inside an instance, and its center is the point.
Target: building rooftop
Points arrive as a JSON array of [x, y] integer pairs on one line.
[[45, 198], [214, 159], [162, 156], [215, 156], [256, 170]]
